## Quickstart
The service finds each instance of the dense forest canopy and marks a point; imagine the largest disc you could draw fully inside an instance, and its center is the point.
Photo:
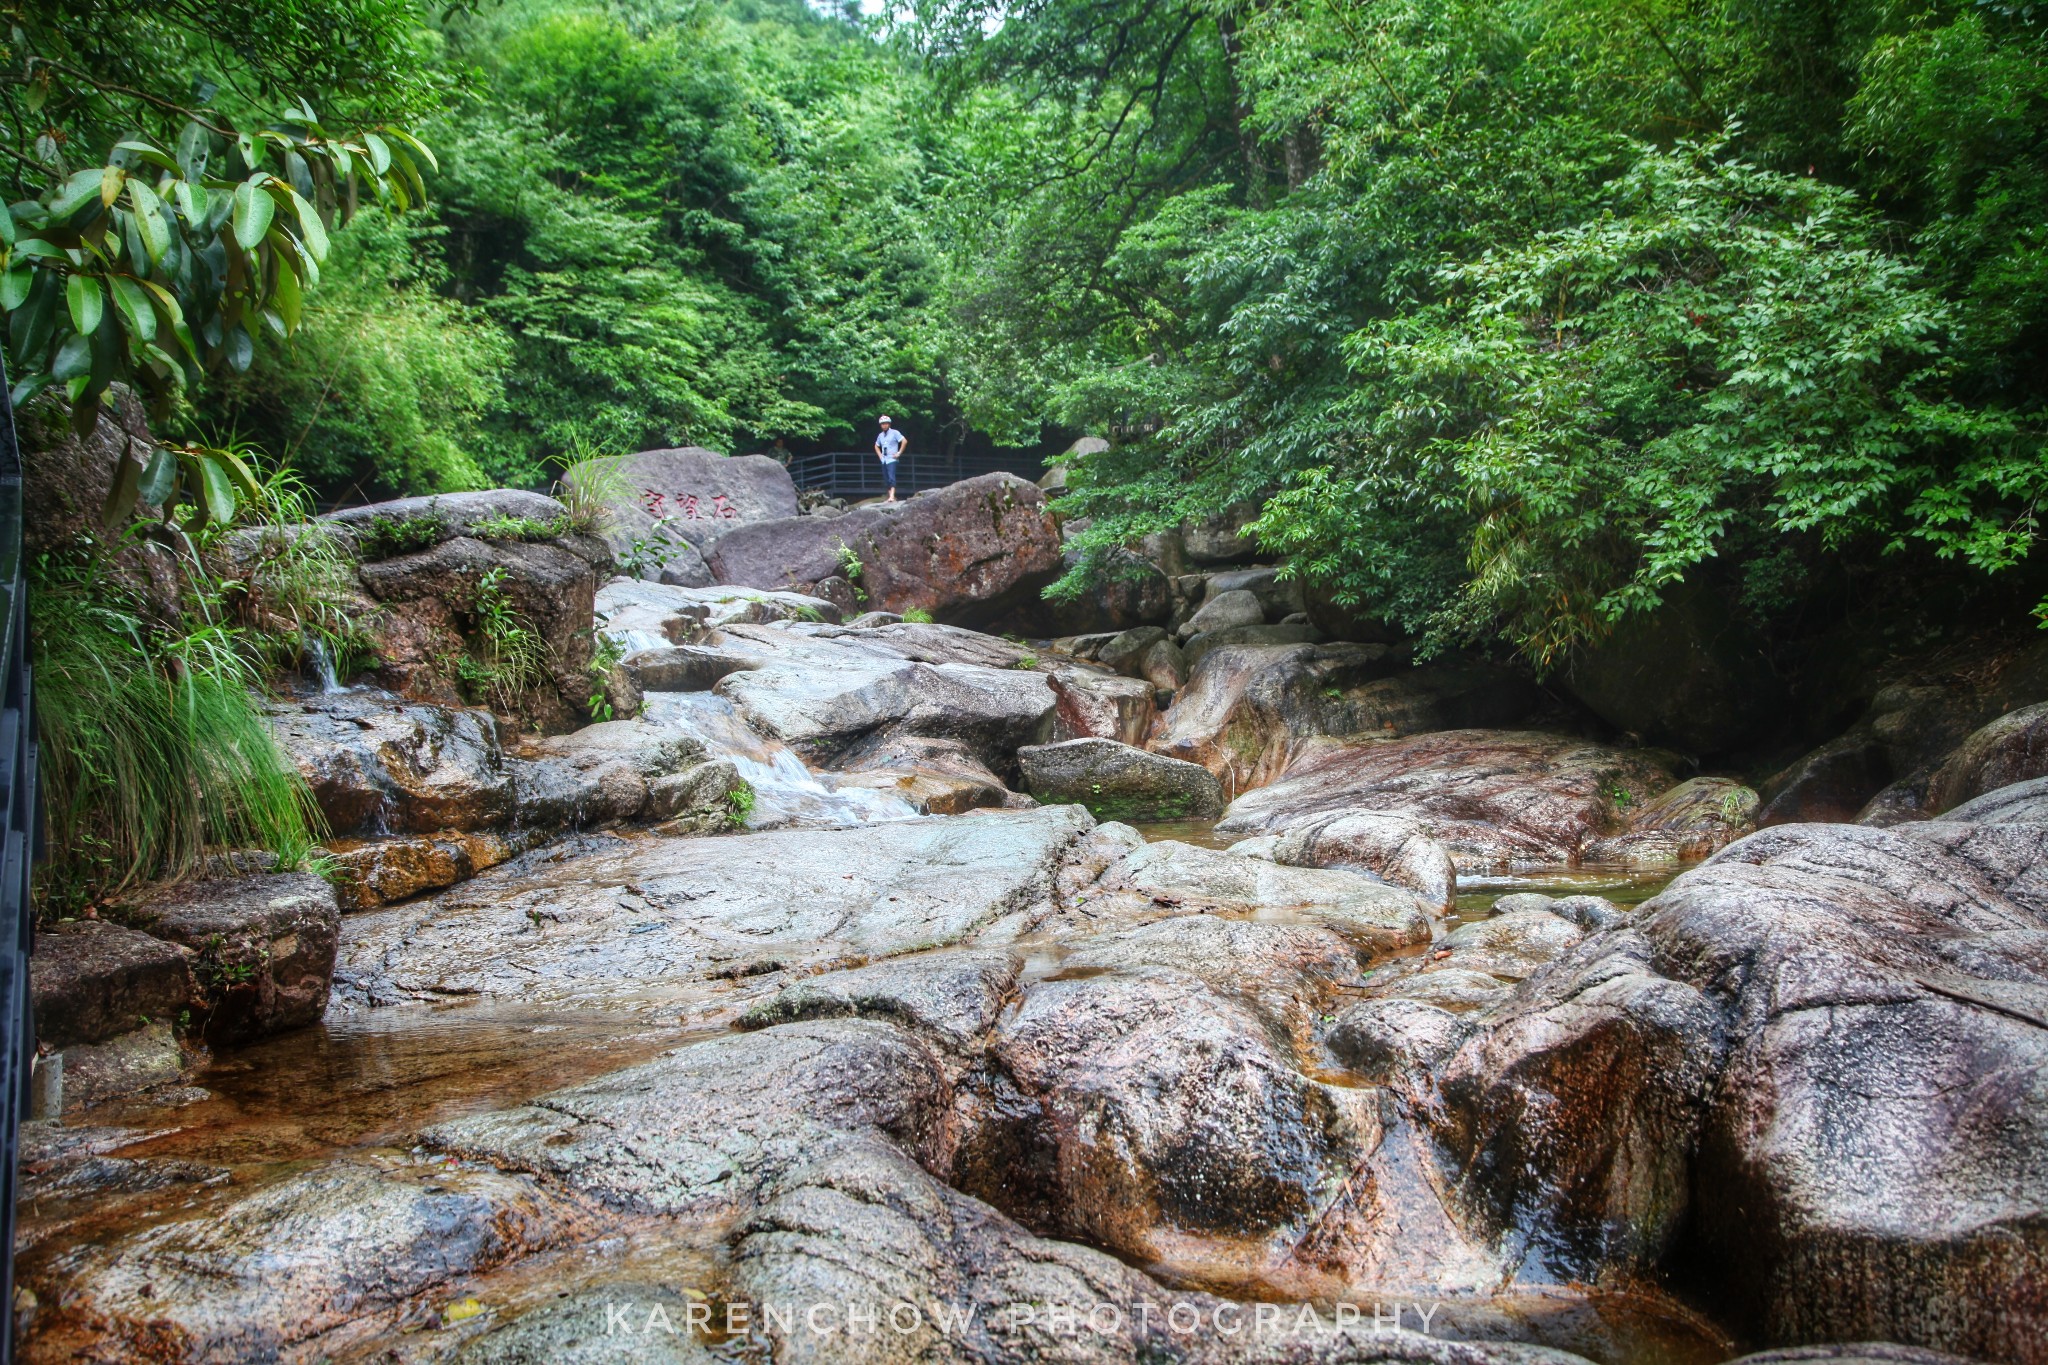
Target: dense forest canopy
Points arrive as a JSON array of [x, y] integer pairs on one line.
[[1512, 313]]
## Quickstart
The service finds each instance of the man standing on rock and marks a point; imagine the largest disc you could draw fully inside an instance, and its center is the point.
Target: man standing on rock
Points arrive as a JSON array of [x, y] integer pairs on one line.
[[889, 447]]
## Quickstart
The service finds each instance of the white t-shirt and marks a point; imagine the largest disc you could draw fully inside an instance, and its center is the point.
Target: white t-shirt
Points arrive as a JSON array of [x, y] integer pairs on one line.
[[890, 442]]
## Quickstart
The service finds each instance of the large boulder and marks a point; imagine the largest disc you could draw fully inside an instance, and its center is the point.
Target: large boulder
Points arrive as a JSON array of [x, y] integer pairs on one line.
[[1221, 611], [451, 596], [1249, 708], [965, 553], [1158, 1100], [1572, 1116], [1279, 597], [1892, 750], [2011, 749], [1491, 797], [1874, 1161], [1126, 590], [1099, 705], [664, 509], [1117, 782], [379, 765], [262, 948]]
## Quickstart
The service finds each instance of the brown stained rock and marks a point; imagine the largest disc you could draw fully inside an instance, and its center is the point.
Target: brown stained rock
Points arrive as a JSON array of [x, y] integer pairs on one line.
[[965, 553], [266, 1273], [1874, 1161], [1249, 709], [551, 586], [1088, 704], [90, 980], [1491, 797], [262, 948], [376, 872]]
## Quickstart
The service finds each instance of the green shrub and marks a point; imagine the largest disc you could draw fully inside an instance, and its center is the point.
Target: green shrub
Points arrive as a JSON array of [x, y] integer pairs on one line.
[[511, 659], [390, 537], [506, 527], [917, 616]]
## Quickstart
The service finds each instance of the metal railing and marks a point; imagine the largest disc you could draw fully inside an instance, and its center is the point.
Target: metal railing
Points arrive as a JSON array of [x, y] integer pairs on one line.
[[858, 474], [17, 848]]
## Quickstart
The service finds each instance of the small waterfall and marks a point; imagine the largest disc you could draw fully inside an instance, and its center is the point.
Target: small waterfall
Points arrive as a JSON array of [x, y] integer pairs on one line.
[[786, 792], [631, 641], [320, 660]]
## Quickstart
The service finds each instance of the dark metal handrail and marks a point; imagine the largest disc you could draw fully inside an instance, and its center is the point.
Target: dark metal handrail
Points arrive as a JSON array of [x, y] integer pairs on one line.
[[17, 848], [857, 473]]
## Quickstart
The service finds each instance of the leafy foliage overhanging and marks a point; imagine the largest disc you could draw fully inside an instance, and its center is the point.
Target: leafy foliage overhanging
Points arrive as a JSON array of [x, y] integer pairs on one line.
[[1524, 309]]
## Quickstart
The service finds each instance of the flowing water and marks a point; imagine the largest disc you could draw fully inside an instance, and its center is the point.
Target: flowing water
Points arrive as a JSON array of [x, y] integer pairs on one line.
[[786, 790], [320, 663]]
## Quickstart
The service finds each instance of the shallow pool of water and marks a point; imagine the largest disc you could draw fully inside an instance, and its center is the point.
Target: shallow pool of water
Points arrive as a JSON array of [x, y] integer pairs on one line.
[[1201, 832], [381, 1076], [1625, 886]]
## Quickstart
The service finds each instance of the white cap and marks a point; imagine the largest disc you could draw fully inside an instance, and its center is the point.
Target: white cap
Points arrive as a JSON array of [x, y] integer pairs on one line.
[[882, 419]]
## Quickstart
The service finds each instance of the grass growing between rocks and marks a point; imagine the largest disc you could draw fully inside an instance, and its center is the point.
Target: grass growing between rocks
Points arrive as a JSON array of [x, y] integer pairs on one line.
[[153, 746]]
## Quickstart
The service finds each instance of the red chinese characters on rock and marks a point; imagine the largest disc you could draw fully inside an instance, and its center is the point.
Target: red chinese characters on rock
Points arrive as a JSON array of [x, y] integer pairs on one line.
[[688, 507]]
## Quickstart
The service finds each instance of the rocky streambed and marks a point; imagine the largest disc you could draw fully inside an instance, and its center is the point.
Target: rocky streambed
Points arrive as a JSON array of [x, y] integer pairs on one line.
[[836, 1005]]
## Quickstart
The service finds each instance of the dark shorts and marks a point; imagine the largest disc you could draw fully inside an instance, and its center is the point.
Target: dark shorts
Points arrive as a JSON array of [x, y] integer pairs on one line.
[[889, 472]]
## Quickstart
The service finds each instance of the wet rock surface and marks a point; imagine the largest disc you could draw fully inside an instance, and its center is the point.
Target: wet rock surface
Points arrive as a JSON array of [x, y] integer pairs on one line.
[[1250, 709], [630, 922], [1040, 1088], [1881, 1111], [262, 949], [1117, 782], [1490, 797], [91, 980]]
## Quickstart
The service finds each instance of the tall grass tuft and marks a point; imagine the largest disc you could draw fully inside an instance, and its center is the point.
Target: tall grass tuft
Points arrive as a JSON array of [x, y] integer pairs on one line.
[[153, 744]]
